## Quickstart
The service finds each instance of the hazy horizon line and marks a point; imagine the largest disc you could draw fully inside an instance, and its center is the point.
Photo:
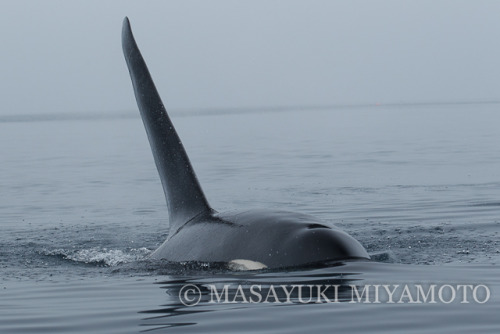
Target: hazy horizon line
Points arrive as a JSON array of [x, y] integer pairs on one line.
[[213, 111]]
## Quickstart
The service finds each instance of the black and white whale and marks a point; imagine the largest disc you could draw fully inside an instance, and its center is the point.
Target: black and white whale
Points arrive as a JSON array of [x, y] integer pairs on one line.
[[254, 239]]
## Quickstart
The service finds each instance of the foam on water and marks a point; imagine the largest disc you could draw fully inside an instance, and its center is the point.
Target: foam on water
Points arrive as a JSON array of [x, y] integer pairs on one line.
[[100, 256]]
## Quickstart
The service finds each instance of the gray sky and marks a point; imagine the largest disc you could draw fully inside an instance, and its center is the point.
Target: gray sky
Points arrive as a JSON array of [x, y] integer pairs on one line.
[[65, 56]]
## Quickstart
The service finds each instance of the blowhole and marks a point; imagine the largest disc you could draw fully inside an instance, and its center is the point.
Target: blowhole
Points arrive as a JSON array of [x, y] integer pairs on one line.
[[312, 226]]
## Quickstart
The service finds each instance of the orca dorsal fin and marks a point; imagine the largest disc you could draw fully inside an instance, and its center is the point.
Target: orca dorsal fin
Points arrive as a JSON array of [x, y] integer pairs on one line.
[[185, 198]]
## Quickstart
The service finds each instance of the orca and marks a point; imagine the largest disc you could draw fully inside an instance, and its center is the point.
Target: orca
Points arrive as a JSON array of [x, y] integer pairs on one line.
[[252, 239]]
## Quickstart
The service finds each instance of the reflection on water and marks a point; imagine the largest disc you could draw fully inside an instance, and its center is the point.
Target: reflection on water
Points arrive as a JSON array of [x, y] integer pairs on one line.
[[121, 304], [234, 292], [221, 309]]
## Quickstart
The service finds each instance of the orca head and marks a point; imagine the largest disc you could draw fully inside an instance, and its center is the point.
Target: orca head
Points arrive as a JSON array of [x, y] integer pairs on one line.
[[324, 243], [315, 242], [290, 239]]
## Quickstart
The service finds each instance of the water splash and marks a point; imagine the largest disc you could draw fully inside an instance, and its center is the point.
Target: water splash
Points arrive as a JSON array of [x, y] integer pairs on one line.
[[100, 256]]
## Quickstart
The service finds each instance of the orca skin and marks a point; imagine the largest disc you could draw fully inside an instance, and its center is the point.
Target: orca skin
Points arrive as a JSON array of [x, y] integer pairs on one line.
[[265, 238]]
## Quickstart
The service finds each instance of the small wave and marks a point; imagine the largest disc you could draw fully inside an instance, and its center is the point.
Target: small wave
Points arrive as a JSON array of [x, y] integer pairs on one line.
[[100, 256], [384, 256], [486, 204]]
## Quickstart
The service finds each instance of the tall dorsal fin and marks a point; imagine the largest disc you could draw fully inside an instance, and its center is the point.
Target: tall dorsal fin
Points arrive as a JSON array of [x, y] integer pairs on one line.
[[185, 199]]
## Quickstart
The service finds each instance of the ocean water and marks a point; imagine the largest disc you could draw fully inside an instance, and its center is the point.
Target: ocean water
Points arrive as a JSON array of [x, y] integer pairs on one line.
[[82, 207]]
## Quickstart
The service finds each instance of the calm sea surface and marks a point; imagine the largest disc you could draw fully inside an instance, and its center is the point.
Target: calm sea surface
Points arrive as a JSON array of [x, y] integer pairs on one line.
[[81, 207]]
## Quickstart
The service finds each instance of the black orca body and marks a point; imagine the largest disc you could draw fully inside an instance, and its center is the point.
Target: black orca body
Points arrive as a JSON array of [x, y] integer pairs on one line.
[[263, 238]]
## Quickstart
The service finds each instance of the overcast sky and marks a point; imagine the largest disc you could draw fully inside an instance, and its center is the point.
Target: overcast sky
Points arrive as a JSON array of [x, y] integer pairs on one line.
[[65, 56]]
